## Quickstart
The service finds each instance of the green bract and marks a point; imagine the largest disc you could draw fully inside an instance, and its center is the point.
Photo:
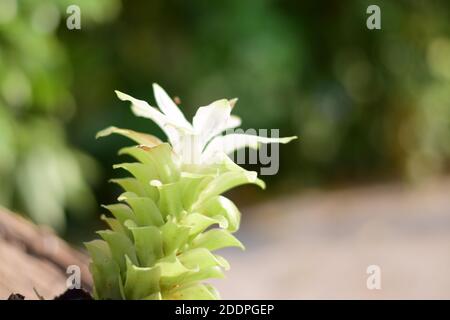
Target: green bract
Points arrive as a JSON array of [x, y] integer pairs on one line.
[[166, 227], [172, 216]]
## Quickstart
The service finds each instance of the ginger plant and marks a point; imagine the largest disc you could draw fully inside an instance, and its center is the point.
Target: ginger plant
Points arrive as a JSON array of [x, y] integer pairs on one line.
[[172, 217]]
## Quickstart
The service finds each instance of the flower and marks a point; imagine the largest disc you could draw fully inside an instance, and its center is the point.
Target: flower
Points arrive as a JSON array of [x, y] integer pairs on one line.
[[172, 216], [200, 142]]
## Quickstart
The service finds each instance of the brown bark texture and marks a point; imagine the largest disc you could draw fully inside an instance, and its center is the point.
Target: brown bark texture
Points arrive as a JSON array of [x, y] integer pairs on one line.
[[34, 260]]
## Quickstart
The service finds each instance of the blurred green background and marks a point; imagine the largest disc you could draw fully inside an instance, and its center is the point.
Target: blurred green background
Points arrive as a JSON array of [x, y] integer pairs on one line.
[[368, 105]]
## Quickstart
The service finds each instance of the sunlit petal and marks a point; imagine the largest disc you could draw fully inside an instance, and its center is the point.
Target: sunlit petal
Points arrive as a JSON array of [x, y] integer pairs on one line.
[[142, 109], [233, 122], [235, 141], [212, 119], [168, 107]]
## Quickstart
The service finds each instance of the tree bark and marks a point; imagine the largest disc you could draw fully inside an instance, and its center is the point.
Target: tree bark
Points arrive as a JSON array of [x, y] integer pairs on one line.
[[33, 258]]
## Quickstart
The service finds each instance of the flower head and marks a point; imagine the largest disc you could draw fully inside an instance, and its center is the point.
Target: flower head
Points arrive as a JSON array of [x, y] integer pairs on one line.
[[172, 216], [201, 141]]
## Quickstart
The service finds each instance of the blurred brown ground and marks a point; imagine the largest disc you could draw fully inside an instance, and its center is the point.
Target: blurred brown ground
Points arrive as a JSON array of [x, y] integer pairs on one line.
[[319, 245], [34, 258]]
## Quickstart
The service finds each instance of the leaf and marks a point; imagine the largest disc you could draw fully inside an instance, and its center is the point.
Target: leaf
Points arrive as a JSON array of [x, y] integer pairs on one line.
[[226, 181], [141, 282], [142, 154], [145, 210], [174, 236], [193, 292], [174, 272], [199, 222], [148, 243], [138, 137], [132, 185], [170, 201], [192, 276], [192, 185], [165, 162], [120, 211], [105, 271], [120, 246], [157, 160], [142, 174], [202, 264], [202, 258], [138, 153], [115, 225], [171, 267], [220, 205], [216, 239], [154, 296]]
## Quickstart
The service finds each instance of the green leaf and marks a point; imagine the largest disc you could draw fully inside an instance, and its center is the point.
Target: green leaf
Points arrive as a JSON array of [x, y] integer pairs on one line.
[[165, 162], [192, 185], [220, 205], [174, 236], [140, 154], [216, 239], [202, 258], [120, 211], [120, 246], [115, 225], [141, 283], [145, 210], [192, 292], [105, 271], [160, 160], [154, 296], [199, 222], [226, 181], [148, 243], [198, 264], [170, 201], [138, 137], [171, 267], [142, 174], [132, 185], [174, 273], [192, 276]]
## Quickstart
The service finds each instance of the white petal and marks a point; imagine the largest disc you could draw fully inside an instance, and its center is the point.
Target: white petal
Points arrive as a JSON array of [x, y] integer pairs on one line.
[[175, 136], [190, 148], [209, 121], [233, 122], [231, 142], [168, 107], [143, 109]]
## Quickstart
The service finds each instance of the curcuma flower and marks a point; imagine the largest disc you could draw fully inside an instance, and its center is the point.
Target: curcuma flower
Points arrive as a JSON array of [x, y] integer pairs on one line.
[[199, 142], [171, 218]]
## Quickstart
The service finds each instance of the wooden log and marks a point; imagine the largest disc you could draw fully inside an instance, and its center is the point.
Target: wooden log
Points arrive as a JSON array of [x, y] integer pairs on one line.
[[34, 258]]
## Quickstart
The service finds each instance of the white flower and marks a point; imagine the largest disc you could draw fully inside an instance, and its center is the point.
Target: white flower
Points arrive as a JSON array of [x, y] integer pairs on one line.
[[199, 142]]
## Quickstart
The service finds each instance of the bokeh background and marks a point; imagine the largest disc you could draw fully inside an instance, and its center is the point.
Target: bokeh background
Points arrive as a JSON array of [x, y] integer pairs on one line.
[[365, 184]]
